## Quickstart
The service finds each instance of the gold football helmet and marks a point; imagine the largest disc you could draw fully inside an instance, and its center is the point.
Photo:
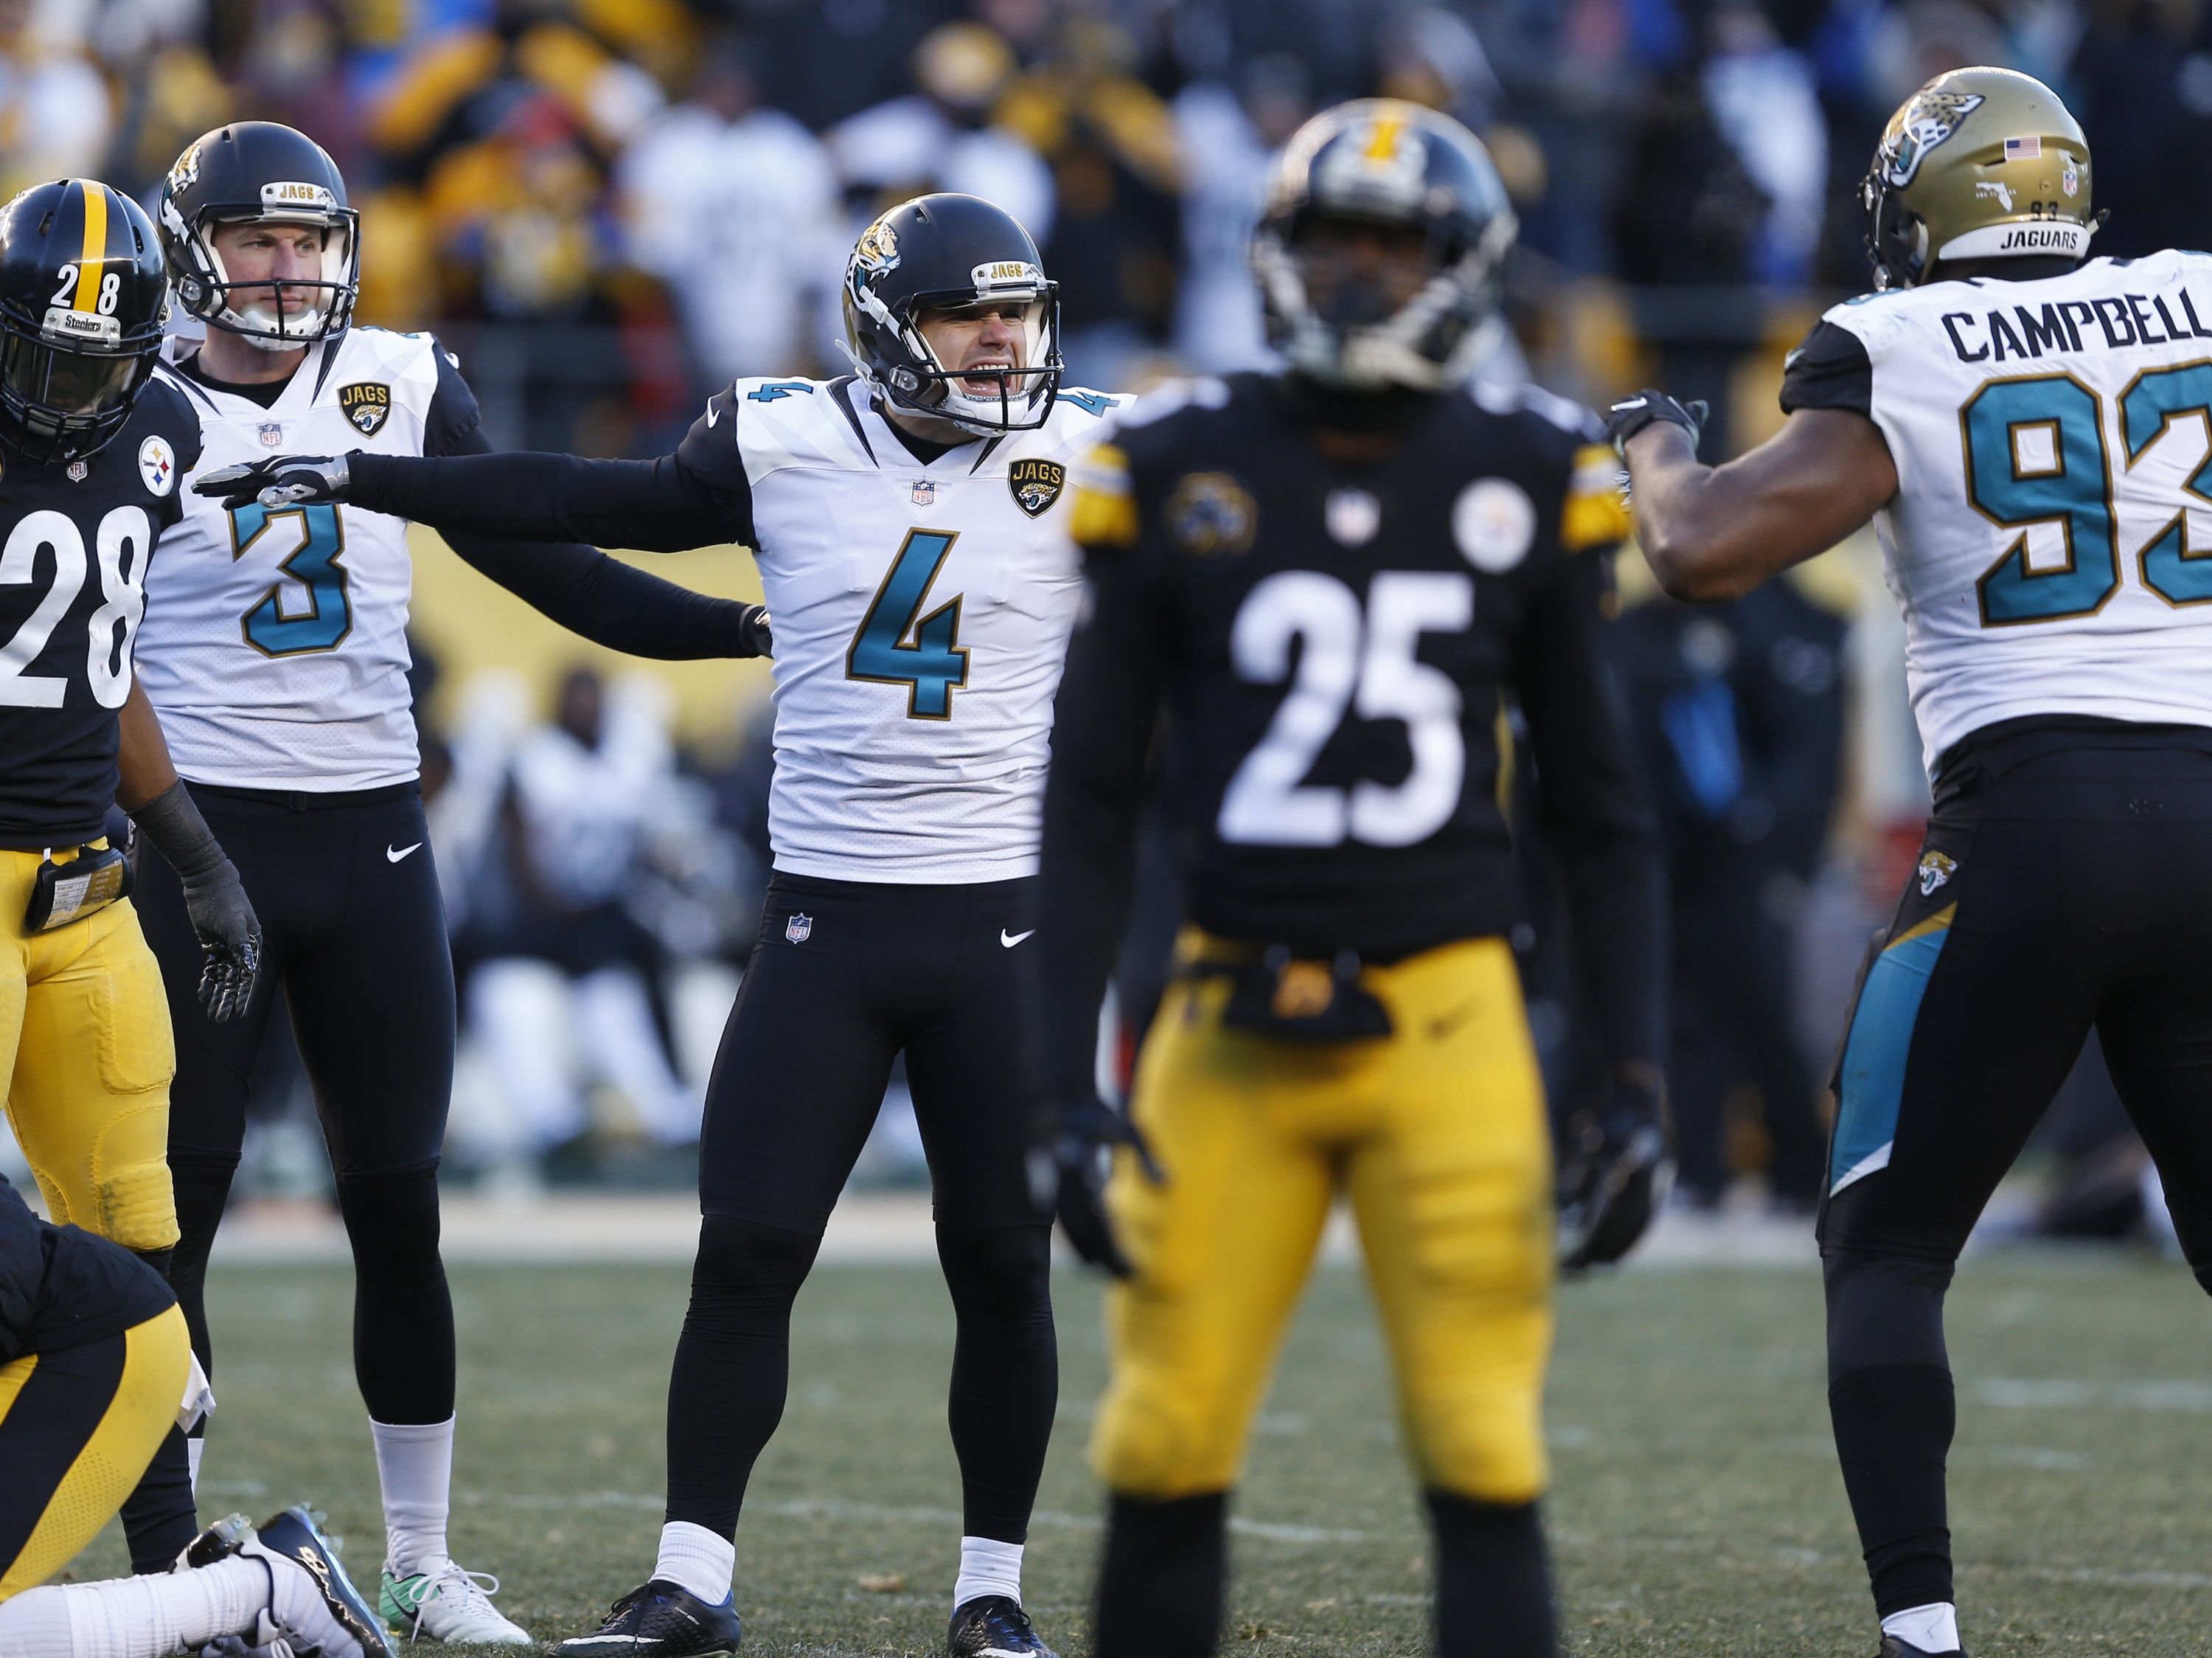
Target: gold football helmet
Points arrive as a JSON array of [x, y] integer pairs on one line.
[[1979, 163]]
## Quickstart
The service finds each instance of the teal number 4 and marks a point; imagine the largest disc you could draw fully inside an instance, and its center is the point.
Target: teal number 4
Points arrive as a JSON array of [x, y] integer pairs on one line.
[[2037, 454], [897, 644], [273, 628]]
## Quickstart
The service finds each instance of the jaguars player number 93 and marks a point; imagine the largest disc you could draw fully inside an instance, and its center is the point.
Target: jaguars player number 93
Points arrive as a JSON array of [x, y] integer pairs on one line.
[[1325, 582]]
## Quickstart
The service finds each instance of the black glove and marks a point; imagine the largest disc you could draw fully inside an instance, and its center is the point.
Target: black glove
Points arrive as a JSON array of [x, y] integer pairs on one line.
[[215, 897], [282, 480], [1632, 414], [1613, 1165], [1087, 1128], [754, 636]]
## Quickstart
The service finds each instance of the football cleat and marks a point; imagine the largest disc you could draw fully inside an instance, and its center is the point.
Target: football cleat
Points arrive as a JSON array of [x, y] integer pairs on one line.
[[994, 1626], [660, 1620], [313, 1603], [449, 1603], [1895, 1647], [218, 1542]]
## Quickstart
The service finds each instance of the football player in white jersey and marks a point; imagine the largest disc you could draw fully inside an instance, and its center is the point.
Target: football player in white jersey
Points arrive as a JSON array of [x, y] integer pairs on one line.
[[274, 650], [906, 520], [2027, 429]]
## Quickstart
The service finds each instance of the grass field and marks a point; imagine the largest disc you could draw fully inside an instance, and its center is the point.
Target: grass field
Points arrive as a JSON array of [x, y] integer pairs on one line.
[[1697, 1510]]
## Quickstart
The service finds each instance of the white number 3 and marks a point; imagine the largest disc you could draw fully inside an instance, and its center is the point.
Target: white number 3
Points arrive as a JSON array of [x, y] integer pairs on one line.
[[1267, 803]]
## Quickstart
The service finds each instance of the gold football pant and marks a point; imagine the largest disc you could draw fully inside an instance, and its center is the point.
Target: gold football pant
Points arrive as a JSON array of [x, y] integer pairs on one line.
[[86, 1048], [1438, 1134], [77, 1427]]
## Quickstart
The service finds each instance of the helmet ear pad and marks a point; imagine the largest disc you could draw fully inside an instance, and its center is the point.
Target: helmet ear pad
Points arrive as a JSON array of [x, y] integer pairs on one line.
[[1897, 237]]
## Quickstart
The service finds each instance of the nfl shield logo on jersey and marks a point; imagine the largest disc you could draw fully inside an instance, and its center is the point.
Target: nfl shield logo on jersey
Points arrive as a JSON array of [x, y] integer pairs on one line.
[[798, 929], [1036, 485], [272, 433], [367, 404], [924, 492]]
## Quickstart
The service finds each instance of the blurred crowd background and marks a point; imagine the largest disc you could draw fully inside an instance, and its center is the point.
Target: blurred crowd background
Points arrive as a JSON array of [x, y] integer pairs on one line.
[[610, 207]]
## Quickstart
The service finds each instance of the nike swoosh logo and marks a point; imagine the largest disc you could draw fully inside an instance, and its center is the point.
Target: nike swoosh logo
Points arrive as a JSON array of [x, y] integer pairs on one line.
[[1009, 940], [713, 414], [390, 857]]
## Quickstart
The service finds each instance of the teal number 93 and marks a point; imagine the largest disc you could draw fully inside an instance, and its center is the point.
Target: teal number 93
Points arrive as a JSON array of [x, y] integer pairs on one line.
[[2037, 454], [897, 644], [273, 627]]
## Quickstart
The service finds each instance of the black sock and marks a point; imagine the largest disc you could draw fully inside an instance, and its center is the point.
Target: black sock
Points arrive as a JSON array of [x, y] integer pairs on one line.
[[1165, 1578], [732, 1364], [1493, 1581], [403, 1313], [1006, 1370], [158, 1516], [1891, 1400]]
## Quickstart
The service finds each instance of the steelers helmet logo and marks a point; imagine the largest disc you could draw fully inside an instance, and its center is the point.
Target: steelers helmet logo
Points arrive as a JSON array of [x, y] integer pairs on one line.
[[1037, 485], [367, 404]]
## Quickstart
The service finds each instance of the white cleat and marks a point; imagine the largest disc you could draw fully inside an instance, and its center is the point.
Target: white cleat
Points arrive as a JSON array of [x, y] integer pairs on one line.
[[450, 1604]]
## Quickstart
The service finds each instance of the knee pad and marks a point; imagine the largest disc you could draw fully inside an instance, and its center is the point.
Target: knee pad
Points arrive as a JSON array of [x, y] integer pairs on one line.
[[1884, 1311], [390, 1220], [1486, 1446], [1000, 1277], [1155, 1444], [136, 1202]]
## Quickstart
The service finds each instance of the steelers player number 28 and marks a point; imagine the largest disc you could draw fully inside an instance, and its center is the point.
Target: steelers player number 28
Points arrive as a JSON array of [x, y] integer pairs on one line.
[[1347, 660], [2037, 454], [120, 544], [316, 613]]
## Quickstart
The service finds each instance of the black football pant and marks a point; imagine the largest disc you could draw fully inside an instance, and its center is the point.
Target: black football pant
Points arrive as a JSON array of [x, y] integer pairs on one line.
[[354, 929], [845, 977], [2060, 887]]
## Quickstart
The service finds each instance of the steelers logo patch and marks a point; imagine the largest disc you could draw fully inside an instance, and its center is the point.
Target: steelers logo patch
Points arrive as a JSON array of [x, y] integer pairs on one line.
[[157, 466], [1494, 522], [367, 404], [1037, 485]]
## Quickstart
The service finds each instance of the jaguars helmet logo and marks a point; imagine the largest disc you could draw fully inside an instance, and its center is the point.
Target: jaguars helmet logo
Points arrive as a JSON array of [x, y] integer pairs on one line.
[[1929, 120], [1037, 485], [878, 250], [1935, 868], [367, 404], [1211, 513]]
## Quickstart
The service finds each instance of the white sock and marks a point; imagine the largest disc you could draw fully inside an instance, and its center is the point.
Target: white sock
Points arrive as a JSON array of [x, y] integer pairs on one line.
[[1932, 1628], [415, 1466], [135, 1617], [195, 1448], [697, 1560], [987, 1567]]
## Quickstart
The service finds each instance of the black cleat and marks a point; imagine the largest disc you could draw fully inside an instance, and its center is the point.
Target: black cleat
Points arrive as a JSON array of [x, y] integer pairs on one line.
[[659, 1619], [1892, 1647], [994, 1626], [226, 1538], [318, 1610]]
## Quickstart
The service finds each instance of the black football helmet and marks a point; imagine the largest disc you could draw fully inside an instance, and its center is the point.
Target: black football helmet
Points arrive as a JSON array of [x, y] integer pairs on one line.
[[259, 171], [944, 252], [1383, 162], [84, 298]]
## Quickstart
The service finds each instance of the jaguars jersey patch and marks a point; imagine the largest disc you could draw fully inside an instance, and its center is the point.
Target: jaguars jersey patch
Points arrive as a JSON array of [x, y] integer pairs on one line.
[[1211, 513], [367, 404], [1035, 484]]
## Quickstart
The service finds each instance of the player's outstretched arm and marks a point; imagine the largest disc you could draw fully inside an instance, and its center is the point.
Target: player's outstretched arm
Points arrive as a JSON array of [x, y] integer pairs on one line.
[[1713, 533], [149, 790]]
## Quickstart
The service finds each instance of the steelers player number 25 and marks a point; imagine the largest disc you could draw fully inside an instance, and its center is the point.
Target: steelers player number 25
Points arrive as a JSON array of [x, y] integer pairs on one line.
[[897, 644], [1347, 660], [310, 610], [121, 543], [2037, 454]]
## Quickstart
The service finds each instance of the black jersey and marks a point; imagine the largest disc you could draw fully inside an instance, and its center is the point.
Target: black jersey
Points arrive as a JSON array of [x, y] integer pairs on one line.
[[72, 589], [1333, 646], [63, 1287]]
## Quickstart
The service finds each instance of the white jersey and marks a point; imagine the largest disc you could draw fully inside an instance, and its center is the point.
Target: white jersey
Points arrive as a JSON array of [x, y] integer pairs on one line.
[[922, 611], [275, 643], [2050, 538]]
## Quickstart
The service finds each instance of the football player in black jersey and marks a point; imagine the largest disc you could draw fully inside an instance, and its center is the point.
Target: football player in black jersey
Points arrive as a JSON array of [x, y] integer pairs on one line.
[[1328, 581], [95, 1368]]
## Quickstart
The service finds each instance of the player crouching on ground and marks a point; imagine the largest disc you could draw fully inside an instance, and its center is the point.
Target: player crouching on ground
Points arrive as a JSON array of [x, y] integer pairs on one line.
[[95, 1368], [1326, 579], [2027, 428]]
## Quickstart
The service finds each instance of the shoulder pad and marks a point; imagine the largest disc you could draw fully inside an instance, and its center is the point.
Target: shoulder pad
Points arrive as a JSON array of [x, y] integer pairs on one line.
[[1105, 510], [1204, 392], [1566, 414]]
